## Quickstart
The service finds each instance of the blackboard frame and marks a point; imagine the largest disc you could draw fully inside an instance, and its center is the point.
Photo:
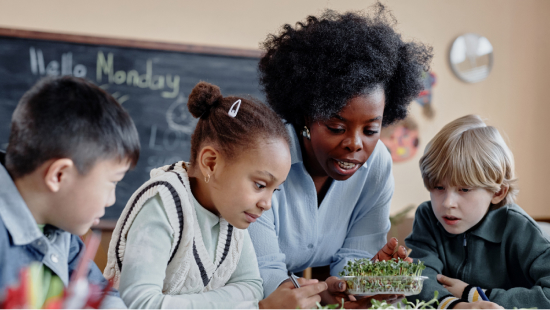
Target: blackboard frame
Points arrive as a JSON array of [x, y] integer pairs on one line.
[[119, 42], [109, 224]]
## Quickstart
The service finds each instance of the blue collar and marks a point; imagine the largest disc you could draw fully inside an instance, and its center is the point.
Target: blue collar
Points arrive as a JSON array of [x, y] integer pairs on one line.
[[14, 212]]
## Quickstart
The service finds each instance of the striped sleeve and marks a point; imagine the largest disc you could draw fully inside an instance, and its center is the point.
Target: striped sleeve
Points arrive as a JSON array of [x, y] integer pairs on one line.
[[448, 302]]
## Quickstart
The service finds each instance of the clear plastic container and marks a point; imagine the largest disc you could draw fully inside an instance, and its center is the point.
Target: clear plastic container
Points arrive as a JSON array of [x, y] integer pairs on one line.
[[374, 285]]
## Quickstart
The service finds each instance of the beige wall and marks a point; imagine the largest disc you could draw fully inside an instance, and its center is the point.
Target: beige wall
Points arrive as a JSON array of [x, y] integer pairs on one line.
[[513, 98]]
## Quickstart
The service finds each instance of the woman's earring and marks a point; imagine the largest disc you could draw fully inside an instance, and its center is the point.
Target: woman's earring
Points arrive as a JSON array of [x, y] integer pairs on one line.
[[305, 133], [207, 178]]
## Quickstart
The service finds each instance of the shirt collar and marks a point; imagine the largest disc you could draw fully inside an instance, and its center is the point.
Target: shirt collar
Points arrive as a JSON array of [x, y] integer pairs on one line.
[[295, 150], [492, 226], [14, 211], [204, 216]]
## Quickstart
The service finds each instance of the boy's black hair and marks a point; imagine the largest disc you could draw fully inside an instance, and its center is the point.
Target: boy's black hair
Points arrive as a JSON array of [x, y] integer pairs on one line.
[[69, 117], [314, 69]]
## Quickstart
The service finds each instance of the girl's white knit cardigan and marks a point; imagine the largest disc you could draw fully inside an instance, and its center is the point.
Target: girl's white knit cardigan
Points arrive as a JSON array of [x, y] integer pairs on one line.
[[190, 269]]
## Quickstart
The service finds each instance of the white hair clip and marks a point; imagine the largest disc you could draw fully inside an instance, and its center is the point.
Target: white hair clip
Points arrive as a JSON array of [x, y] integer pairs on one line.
[[234, 110]]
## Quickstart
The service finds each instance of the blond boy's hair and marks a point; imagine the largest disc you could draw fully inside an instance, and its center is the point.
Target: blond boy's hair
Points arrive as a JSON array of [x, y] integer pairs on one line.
[[468, 153]]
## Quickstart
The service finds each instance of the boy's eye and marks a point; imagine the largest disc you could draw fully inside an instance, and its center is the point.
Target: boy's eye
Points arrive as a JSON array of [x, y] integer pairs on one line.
[[335, 130], [439, 188], [277, 189], [370, 132], [259, 186], [465, 190]]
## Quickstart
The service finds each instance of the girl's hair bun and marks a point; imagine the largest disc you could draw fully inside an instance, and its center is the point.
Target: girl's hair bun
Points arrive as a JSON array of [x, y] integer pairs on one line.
[[203, 98]]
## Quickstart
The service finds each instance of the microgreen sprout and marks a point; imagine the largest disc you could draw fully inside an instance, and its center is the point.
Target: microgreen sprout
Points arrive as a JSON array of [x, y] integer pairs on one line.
[[394, 276], [404, 304]]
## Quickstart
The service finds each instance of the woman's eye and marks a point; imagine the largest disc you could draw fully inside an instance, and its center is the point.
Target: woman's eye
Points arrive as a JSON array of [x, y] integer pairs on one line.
[[259, 186], [277, 189], [370, 132], [335, 130]]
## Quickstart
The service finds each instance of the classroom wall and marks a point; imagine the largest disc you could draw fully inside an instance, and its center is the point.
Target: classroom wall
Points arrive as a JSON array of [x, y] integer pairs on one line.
[[513, 98]]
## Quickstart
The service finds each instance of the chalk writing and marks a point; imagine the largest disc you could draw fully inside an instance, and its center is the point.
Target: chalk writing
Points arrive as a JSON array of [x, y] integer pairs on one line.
[[54, 68], [105, 66]]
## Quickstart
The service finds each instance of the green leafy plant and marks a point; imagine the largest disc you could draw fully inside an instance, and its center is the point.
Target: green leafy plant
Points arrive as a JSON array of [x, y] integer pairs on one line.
[[376, 304], [404, 304], [396, 276]]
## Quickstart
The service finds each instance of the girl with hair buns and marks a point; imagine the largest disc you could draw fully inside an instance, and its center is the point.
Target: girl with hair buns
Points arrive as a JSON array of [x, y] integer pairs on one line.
[[181, 241], [336, 79]]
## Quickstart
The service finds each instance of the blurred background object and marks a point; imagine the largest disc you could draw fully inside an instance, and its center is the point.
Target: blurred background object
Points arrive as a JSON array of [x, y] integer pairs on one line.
[[471, 57]]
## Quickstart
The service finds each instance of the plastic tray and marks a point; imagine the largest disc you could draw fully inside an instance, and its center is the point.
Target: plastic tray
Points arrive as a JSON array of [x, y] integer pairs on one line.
[[374, 285]]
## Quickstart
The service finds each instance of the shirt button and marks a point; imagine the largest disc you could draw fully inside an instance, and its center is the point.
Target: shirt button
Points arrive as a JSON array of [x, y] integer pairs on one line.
[[310, 246], [54, 258]]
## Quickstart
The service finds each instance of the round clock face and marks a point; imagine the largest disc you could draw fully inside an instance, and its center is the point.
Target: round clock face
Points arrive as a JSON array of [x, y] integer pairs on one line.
[[471, 57]]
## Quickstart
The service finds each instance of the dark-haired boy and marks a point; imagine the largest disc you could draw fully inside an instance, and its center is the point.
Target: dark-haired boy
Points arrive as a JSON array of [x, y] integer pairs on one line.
[[70, 143]]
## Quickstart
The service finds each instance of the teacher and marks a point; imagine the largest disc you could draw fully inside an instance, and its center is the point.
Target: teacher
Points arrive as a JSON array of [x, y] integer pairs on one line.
[[337, 80]]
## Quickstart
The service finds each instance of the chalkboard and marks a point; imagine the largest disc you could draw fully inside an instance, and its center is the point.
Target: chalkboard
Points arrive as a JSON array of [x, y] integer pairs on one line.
[[151, 80]]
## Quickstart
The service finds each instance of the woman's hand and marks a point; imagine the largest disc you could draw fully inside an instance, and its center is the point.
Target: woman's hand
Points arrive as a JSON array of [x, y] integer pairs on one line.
[[455, 286], [477, 305], [388, 252], [286, 296], [336, 292]]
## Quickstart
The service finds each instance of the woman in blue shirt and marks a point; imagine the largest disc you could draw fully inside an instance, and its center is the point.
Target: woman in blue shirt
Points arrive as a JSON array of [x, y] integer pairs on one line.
[[336, 79]]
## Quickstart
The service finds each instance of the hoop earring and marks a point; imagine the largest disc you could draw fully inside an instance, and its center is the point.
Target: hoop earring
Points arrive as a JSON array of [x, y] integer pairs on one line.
[[305, 133], [207, 179]]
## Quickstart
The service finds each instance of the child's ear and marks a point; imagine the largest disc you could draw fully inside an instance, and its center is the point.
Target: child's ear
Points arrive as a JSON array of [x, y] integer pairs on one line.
[[500, 195], [58, 171], [208, 160]]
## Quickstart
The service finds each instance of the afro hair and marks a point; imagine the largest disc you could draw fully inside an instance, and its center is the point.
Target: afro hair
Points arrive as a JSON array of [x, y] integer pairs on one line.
[[314, 69]]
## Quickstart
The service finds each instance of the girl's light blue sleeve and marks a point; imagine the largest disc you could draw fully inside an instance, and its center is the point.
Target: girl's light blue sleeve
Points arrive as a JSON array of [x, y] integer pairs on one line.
[[147, 252], [370, 222]]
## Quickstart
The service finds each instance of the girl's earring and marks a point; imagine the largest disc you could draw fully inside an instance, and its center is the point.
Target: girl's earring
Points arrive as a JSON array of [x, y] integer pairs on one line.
[[207, 178], [305, 133]]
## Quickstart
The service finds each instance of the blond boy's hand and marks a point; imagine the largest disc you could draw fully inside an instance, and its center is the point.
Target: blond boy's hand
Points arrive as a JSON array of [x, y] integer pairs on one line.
[[455, 286], [286, 296], [477, 305]]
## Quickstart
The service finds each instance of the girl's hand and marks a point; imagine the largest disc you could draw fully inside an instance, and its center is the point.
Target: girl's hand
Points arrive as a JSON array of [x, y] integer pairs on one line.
[[388, 252], [336, 292], [286, 296], [477, 305], [455, 286]]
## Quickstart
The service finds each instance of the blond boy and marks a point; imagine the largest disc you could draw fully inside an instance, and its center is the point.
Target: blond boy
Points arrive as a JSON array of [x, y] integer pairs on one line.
[[471, 234]]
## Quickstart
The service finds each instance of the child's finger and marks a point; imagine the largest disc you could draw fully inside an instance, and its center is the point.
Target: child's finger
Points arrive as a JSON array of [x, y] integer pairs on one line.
[[310, 290], [306, 282], [443, 279]]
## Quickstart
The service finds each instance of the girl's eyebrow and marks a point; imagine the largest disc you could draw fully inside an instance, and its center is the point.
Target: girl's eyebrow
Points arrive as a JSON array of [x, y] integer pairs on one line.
[[268, 174]]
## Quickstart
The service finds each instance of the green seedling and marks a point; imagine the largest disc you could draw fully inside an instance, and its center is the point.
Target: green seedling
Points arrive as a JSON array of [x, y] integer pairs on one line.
[[393, 276]]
